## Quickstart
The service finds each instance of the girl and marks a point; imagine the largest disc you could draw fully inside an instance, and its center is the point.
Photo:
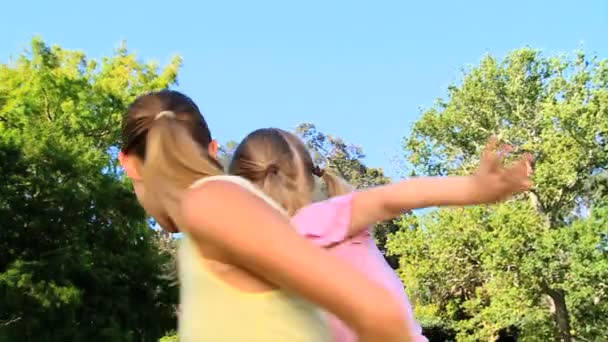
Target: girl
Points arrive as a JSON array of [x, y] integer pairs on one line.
[[278, 162], [231, 274]]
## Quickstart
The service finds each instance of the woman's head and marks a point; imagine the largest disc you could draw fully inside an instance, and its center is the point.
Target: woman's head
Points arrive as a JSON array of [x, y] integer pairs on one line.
[[167, 145], [279, 163]]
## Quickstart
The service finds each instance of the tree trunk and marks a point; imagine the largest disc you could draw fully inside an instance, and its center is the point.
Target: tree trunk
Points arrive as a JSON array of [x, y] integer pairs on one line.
[[561, 315], [558, 296]]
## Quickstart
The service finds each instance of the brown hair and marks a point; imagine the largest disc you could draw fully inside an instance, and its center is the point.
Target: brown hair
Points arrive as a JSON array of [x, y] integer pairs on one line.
[[173, 147], [279, 163]]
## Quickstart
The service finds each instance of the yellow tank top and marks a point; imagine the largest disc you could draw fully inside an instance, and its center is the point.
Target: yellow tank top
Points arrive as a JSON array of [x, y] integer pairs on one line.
[[214, 311]]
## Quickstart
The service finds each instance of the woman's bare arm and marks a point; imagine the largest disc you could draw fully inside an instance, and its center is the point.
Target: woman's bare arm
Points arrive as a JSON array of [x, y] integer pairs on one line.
[[260, 239]]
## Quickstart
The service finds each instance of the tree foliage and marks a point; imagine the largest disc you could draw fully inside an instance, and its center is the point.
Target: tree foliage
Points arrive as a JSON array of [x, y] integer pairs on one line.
[[78, 260], [226, 151], [532, 265], [340, 157]]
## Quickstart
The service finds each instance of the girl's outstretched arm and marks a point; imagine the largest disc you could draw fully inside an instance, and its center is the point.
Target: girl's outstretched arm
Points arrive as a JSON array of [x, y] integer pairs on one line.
[[491, 183], [225, 215]]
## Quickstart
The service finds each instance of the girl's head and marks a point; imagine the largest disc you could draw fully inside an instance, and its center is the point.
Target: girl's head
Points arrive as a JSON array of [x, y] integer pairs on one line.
[[167, 146], [279, 163]]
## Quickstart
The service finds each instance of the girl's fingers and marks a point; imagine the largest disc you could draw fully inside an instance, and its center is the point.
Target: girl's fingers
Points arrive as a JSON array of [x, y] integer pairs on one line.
[[529, 164], [515, 176], [518, 174], [489, 158], [506, 149], [502, 153]]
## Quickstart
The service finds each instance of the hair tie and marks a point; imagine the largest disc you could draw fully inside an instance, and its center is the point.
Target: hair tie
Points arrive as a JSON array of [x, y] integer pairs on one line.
[[272, 169], [164, 113], [317, 171]]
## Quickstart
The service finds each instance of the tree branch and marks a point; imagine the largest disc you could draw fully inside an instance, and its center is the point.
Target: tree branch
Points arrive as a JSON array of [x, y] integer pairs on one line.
[[561, 314], [10, 321], [575, 138], [540, 207], [47, 107], [97, 136]]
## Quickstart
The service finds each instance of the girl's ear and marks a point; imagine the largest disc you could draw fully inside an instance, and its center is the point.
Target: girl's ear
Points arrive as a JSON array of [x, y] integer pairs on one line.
[[213, 147], [129, 164]]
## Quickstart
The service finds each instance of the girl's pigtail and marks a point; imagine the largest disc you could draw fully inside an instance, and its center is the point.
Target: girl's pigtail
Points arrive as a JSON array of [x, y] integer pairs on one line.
[[336, 186]]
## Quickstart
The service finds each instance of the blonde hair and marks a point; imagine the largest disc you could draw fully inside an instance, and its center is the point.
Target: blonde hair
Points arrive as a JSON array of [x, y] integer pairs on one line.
[[168, 133], [278, 162]]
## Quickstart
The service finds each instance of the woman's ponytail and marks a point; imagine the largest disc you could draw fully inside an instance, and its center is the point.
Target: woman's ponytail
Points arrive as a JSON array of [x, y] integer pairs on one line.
[[173, 162]]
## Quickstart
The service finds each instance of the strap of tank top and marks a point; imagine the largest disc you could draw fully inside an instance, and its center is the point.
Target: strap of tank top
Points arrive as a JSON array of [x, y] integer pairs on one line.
[[244, 183]]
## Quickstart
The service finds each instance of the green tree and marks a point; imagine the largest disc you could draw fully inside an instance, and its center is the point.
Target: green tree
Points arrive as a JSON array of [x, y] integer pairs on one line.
[[78, 260], [226, 151], [532, 264], [340, 157]]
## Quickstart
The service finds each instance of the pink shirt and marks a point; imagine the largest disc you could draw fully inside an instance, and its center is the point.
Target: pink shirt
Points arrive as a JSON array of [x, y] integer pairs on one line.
[[326, 223]]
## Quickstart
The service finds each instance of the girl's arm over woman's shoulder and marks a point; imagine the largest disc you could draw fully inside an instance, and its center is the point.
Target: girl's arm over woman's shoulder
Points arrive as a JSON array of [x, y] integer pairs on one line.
[[341, 217], [260, 239]]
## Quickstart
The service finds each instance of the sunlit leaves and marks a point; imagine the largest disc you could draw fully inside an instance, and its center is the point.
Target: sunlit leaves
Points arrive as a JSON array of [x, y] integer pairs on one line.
[[487, 270], [76, 252]]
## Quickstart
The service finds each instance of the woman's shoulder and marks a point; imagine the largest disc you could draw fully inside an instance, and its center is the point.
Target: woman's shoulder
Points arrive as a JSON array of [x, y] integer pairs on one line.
[[242, 183], [225, 178]]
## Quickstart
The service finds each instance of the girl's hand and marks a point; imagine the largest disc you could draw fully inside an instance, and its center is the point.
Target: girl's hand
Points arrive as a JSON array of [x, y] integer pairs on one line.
[[493, 181]]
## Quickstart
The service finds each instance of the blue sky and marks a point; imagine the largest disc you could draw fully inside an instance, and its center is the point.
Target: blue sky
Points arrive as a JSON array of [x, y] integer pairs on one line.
[[357, 69]]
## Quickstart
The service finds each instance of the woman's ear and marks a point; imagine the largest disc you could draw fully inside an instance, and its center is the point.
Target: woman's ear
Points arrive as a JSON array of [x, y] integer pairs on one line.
[[129, 164], [212, 149]]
